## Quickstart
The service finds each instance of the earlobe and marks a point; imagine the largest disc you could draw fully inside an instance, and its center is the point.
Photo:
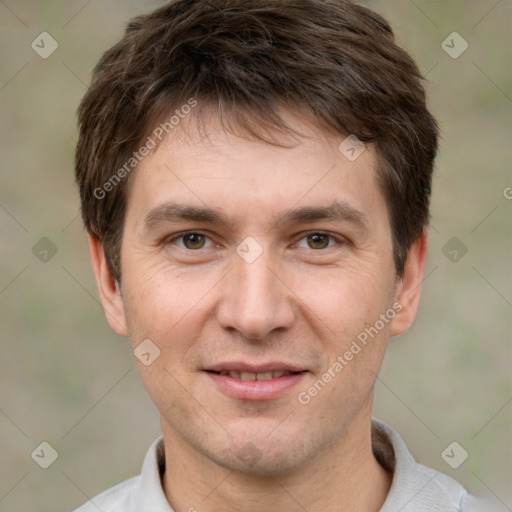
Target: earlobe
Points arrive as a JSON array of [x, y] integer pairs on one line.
[[409, 289], [108, 287]]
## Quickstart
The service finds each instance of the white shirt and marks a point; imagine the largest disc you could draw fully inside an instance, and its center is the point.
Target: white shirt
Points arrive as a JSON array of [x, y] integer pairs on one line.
[[414, 488]]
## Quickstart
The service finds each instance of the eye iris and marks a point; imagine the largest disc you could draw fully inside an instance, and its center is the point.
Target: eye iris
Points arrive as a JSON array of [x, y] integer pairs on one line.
[[194, 241], [318, 241]]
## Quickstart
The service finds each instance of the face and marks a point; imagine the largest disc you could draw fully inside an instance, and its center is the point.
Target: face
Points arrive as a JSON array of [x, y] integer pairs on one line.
[[264, 276]]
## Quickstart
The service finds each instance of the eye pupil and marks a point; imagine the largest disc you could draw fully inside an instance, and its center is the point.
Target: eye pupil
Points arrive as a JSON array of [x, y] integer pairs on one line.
[[194, 241], [318, 241]]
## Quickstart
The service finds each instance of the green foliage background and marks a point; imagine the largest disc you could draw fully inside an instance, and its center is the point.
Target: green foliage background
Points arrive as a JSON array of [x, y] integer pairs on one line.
[[67, 379]]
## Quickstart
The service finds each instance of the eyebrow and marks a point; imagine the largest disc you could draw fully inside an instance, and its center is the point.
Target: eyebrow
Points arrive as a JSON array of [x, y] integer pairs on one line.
[[335, 211], [170, 211]]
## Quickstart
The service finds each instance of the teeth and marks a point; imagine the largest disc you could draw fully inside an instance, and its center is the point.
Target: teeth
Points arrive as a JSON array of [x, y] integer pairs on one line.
[[264, 376], [246, 376]]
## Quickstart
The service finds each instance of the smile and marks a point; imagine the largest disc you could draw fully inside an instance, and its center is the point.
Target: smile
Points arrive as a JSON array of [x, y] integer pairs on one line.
[[254, 383], [247, 376]]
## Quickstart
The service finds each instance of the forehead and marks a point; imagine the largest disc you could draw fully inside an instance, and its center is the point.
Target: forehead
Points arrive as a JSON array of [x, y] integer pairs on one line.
[[204, 165]]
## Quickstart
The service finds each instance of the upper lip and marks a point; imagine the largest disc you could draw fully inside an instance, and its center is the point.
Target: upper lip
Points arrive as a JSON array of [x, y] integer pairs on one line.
[[272, 366]]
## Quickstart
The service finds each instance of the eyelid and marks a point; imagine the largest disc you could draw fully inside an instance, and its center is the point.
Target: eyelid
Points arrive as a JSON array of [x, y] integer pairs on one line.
[[172, 238], [338, 239]]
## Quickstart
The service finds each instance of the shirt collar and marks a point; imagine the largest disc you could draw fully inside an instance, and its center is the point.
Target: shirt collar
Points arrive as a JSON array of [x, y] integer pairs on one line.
[[149, 494]]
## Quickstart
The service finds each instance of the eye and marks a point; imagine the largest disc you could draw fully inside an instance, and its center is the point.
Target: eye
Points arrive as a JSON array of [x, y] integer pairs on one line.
[[192, 241], [316, 241]]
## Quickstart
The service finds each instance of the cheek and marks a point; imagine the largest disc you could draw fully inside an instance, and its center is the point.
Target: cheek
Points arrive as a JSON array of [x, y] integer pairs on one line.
[[161, 302], [348, 324], [346, 298], [164, 306]]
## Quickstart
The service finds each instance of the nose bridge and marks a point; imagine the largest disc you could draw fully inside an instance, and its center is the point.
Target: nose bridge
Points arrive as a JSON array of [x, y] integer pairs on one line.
[[256, 283], [255, 302]]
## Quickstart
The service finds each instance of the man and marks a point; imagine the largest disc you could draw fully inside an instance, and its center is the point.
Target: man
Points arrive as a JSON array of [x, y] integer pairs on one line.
[[255, 179]]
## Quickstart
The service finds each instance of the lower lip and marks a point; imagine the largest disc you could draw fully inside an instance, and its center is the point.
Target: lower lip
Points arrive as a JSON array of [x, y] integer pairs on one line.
[[256, 389]]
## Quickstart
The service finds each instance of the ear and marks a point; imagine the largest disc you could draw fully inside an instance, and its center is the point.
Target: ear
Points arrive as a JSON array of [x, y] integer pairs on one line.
[[108, 287], [409, 288]]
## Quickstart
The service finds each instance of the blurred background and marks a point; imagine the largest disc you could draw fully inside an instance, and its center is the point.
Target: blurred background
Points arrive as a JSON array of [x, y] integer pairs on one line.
[[68, 380]]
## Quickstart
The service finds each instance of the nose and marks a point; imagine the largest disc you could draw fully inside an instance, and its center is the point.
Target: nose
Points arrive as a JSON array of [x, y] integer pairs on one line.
[[255, 301]]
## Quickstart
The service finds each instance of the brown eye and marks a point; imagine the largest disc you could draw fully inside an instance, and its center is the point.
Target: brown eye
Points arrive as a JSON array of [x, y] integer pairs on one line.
[[194, 241], [318, 241]]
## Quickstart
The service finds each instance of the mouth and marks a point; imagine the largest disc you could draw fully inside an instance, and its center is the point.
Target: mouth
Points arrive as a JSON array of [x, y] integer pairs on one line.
[[250, 382], [248, 376]]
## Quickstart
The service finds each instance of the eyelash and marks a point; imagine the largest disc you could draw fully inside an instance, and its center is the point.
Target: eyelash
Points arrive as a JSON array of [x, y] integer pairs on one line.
[[183, 234], [321, 233]]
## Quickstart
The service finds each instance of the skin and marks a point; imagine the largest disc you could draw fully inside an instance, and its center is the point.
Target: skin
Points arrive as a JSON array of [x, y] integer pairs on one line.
[[294, 303]]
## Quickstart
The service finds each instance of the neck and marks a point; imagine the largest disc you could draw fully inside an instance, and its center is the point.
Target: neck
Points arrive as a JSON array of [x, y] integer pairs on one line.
[[346, 477]]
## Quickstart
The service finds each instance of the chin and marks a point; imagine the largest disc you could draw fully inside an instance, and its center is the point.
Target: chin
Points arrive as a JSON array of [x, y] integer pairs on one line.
[[256, 463], [259, 455]]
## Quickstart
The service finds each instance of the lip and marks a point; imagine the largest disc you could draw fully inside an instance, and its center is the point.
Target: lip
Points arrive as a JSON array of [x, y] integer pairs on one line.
[[271, 366], [254, 390]]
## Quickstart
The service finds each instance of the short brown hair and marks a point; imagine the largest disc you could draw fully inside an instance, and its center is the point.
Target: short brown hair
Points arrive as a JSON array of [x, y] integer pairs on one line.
[[333, 59]]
